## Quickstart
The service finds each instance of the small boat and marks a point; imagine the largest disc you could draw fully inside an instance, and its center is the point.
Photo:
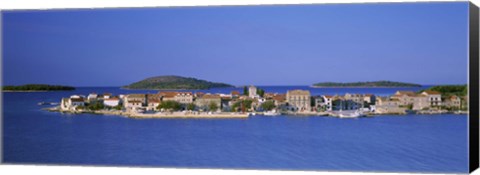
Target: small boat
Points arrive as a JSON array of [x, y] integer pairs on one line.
[[271, 113], [354, 114], [47, 103]]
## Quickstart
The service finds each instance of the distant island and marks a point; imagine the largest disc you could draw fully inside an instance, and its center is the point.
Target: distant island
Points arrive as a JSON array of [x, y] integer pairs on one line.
[[172, 82], [37, 87], [366, 84]]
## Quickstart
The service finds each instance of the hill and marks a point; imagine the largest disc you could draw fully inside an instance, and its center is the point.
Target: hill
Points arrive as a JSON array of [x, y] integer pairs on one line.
[[367, 84], [174, 82], [448, 90], [38, 87]]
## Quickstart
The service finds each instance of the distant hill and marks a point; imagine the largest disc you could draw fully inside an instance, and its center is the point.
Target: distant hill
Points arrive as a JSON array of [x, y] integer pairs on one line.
[[174, 82], [448, 90], [367, 84], [38, 87]]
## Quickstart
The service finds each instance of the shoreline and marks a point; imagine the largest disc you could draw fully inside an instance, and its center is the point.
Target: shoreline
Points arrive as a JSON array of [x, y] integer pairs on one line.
[[232, 115], [196, 115]]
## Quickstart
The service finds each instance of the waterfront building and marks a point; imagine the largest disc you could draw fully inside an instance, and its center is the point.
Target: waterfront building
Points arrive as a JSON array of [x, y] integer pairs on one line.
[[387, 105], [342, 103], [92, 97], [133, 101], [252, 92], [111, 102], [453, 102], [353, 101], [405, 97], [168, 96], [204, 101], [184, 97], [420, 102], [328, 102], [299, 100], [72, 103], [153, 100], [434, 98], [279, 100], [152, 104], [133, 104]]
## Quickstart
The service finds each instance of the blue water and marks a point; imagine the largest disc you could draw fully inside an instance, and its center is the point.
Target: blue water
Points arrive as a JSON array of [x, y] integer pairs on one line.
[[420, 143]]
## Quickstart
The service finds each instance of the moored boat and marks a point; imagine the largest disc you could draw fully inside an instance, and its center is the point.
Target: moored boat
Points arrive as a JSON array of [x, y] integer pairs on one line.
[[271, 113], [350, 114]]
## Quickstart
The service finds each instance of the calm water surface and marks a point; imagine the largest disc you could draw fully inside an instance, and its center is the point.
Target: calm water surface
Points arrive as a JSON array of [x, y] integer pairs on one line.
[[420, 143]]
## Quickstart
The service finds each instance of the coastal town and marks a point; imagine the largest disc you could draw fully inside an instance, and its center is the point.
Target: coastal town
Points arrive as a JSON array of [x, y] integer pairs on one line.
[[255, 101]]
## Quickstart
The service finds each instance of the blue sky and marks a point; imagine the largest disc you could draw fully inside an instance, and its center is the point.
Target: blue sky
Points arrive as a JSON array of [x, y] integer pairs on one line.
[[425, 43]]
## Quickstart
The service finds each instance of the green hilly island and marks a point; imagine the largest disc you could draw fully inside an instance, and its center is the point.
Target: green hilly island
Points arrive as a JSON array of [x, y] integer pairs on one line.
[[173, 82], [38, 87], [366, 84]]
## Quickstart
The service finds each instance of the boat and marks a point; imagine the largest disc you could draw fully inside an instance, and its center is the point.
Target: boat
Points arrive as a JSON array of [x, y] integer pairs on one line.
[[271, 113], [47, 103], [348, 114]]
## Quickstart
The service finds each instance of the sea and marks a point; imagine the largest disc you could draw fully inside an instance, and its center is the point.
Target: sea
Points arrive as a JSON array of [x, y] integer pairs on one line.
[[388, 143]]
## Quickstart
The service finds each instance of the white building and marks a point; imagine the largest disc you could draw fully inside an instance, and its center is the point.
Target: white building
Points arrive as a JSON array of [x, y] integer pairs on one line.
[[328, 101], [434, 98], [111, 102], [92, 97], [72, 103]]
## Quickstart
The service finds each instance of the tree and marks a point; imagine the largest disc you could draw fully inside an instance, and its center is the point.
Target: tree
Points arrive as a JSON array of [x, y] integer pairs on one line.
[[191, 106], [213, 106], [170, 105], [118, 107], [238, 105], [95, 106], [245, 90], [268, 105], [260, 92]]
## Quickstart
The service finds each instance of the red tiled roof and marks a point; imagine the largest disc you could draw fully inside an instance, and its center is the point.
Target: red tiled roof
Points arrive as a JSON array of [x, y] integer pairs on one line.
[[168, 94], [112, 99], [136, 96], [210, 96], [279, 97], [153, 101]]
